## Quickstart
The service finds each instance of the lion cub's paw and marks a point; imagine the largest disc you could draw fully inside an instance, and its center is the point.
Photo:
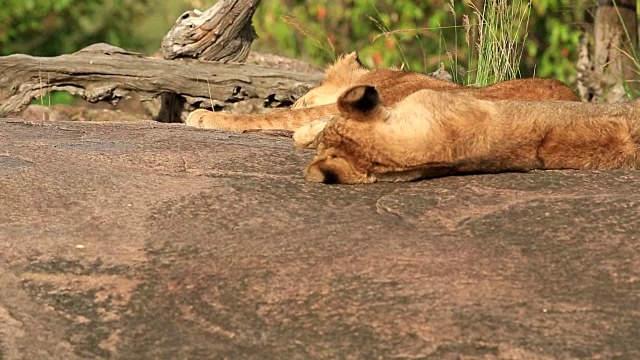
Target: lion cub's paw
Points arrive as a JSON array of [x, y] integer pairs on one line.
[[306, 136], [198, 118]]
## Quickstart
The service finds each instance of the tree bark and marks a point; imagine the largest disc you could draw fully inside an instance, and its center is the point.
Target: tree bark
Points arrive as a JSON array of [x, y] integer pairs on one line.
[[103, 72], [611, 73], [222, 33]]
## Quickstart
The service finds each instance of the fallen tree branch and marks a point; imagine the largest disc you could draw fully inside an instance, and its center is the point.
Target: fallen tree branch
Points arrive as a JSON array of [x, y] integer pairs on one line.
[[106, 73]]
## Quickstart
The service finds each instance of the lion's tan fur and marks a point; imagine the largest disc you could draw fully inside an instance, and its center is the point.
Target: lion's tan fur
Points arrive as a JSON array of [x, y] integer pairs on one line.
[[433, 133], [394, 86], [345, 73]]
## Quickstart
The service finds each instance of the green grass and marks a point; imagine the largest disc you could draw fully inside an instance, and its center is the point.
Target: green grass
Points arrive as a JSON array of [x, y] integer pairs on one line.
[[53, 98], [502, 31], [494, 41]]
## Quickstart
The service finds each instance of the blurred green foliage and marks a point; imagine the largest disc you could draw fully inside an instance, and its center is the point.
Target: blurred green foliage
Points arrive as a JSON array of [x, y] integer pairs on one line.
[[427, 32], [51, 27], [317, 30]]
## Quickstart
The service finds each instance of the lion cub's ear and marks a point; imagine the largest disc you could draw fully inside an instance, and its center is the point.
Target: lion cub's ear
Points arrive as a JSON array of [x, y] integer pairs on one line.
[[359, 101], [355, 58], [350, 60], [346, 65]]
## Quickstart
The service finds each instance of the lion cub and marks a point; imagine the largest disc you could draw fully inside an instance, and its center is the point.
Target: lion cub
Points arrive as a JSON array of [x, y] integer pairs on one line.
[[435, 133], [316, 107]]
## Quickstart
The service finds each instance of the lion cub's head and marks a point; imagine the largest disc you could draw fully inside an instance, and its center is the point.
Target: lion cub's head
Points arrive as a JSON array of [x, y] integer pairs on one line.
[[415, 138], [365, 142], [338, 154], [339, 77]]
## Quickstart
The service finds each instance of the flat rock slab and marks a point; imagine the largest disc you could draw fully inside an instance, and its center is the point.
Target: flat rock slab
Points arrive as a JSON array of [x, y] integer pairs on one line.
[[145, 240]]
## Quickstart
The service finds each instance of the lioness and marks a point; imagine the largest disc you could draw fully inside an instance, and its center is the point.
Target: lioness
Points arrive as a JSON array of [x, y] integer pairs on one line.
[[394, 85], [434, 133]]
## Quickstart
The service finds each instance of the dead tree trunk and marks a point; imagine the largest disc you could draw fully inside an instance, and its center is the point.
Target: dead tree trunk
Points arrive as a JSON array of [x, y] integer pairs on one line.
[[222, 33], [102, 72], [107, 73], [610, 73]]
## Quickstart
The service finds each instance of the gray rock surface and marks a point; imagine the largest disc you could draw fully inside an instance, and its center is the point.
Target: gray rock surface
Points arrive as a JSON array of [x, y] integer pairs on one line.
[[146, 240]]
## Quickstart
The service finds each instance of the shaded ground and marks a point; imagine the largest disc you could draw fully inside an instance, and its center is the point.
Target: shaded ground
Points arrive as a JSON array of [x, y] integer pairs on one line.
[[145, 240]]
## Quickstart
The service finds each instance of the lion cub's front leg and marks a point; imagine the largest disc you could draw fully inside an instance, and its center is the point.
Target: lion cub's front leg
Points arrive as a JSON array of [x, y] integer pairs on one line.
[[205, 119], [289, 119], [306, 137]]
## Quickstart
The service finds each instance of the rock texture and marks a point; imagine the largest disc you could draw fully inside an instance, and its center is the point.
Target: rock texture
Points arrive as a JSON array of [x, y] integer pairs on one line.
[[146, 240]]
